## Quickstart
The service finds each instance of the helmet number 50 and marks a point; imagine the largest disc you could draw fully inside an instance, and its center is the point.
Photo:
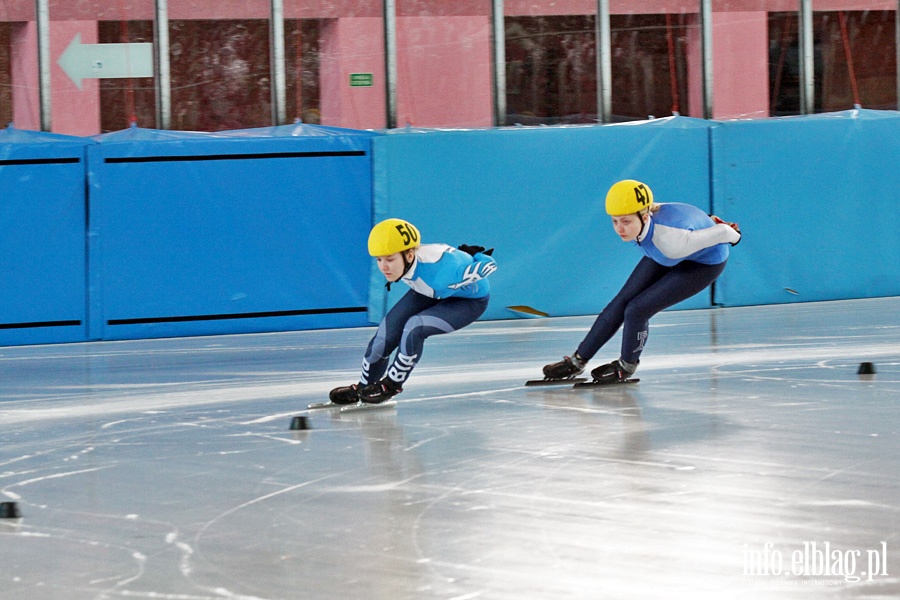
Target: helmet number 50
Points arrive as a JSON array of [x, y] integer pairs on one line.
[[408, 234]]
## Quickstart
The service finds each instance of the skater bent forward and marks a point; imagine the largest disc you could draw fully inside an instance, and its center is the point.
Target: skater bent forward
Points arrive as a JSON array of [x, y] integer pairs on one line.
[[449, 290], [685, 250]]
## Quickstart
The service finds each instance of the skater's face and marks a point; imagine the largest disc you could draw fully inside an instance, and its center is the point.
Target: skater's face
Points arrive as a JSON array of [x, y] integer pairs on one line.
[[392, 265], [628, 227]]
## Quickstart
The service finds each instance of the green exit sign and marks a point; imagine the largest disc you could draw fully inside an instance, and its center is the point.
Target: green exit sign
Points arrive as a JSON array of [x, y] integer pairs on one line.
[[360, 80]]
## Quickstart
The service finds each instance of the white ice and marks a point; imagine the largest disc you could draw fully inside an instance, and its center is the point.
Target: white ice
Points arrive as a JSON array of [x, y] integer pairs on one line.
[[166, 469]]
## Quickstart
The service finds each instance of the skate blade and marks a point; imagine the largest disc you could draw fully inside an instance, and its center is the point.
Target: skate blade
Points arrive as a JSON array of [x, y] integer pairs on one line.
[[564, 381], [601, 384], [317, 405], [364, 407]]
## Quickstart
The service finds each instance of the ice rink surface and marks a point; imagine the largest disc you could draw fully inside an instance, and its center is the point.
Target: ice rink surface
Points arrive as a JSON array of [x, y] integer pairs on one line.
[[751, 461]]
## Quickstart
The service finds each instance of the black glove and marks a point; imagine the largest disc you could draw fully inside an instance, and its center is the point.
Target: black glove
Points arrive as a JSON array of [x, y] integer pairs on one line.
[[473, 250]]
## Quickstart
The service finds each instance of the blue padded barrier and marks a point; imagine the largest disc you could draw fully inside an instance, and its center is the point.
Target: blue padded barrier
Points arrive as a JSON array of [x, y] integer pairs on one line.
[[816, 198], [537, 196], [247, 231], [264, 229], [42, 247]]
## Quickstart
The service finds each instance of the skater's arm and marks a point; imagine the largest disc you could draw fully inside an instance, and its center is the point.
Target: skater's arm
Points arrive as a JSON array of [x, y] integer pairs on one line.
[[474, 250], [679, 243], [469, 273]]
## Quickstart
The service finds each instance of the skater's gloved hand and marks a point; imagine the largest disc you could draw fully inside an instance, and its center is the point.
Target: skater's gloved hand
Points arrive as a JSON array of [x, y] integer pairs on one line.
[[719, 221], [473, 250], [734, 226]]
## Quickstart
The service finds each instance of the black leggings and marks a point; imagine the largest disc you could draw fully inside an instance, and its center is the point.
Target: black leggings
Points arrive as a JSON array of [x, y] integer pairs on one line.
[[413, 319], [650, 289]]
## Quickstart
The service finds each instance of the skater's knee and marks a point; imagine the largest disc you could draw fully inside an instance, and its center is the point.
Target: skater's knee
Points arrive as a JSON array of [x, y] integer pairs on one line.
[[423, 326], [615, 307], [635, 311], [414, 326], [413, 334]]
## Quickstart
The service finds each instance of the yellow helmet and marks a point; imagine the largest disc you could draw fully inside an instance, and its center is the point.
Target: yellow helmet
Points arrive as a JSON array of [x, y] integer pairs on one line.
[[392, 236], [627, 197]]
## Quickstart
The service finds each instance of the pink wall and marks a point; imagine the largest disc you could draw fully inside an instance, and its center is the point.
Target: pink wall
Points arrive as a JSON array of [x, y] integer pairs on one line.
[[24, 76], [444, 58], [23, 10], [73, 111], [740, 65], [444, 72], [352, 45]]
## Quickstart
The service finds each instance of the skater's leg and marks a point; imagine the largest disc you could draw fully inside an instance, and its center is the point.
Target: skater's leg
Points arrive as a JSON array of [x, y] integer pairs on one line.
[[388, 335], [445, 316], [680, 283], [646, 273]]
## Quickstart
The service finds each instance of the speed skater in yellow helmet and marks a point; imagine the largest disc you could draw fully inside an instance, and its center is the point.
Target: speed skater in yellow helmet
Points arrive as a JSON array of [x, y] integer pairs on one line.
[[392, 236], [393, 243], [628, 197]]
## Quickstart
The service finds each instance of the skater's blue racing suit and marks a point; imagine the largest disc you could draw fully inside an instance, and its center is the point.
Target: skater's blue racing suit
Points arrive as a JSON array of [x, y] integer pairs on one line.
[[684, 252], [449, 290]]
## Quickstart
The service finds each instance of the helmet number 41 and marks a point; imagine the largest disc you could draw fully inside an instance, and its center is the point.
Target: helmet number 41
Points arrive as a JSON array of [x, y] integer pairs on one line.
[[641, 195]]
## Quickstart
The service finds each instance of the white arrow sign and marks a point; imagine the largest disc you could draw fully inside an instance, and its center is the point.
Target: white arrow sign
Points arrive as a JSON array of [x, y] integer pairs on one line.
[[106, 61]]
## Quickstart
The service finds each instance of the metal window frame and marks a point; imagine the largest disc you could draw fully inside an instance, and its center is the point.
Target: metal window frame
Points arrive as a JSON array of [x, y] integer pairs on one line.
[[807, 58], [162, 72], [42, 16]]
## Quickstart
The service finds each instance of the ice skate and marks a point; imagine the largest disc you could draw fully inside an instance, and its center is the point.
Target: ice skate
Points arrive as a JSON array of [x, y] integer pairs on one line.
[[374, 396], [562, 372], [610, 374], [340, 396], [380, 391]]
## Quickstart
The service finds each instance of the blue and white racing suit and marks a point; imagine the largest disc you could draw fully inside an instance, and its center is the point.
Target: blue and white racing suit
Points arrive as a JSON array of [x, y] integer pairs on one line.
[[449, 290], [684, 252]]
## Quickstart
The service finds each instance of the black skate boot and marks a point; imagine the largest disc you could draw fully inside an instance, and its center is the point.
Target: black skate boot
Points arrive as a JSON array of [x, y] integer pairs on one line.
[[615, 372], [380, 391], [568, 367], [561, 373], [348, 394]]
